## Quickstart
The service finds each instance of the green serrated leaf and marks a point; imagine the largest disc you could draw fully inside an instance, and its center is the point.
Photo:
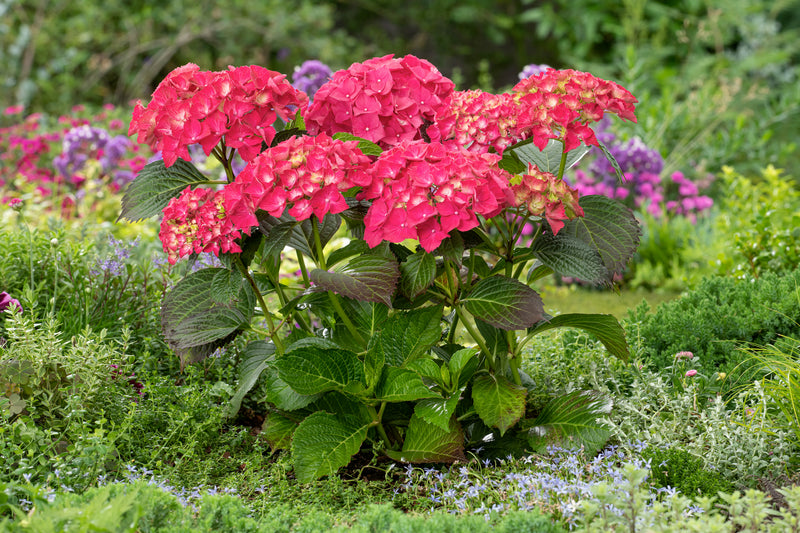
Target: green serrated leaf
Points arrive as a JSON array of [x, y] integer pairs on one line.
[[374, 363], [608, 226], [499, 402], [611, 159], [355, 247], [438, 411], [463, 365], [496, 339], [452, 248], [254, 360], [428, 443], [409, 335], [549, 159], [572, 421], [537, 272], [512, 163], [504, 303], [366, 277], [313, 370], [401, 385], [302, 235], [570, 256], [426, 368], [417, 273], [225, 286], [606, 328], [323, 443], [367, 317], [281, 395], [155, 185], [278, 431], [367, 147], [277, 237]]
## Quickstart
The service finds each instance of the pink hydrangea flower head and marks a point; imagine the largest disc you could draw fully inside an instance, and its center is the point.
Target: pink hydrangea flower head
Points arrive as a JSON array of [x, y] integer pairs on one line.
[[195, 222], [305, 175], [191, 106], [560, 104], [544, 195], [385, 100], [424, 191], [477, 120]]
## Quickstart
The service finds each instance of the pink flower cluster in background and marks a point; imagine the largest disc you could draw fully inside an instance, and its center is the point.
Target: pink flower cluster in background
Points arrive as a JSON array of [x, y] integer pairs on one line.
[[191, 106]]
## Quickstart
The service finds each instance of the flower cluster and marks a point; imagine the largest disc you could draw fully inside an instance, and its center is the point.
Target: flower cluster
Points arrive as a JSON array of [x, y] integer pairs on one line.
[[532, 70], [305, 174], [543, 194], [477, 120], [385, 100], [196, 222], [191, 106], [560, 104], [425, 190], [310, 76], [85, 142]]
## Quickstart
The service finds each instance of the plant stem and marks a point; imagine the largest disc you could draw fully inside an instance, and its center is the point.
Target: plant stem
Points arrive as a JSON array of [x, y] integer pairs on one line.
[[376, 420], [273, 332], [303, 270], [563, 166], [475, 336], [451, 335]]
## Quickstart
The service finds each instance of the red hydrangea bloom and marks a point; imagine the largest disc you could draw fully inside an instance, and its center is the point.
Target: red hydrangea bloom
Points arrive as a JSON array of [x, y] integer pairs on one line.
[[424, 191], [305, 174], [477, 120], [384, 99], [196, 222], [191, 106], [560, 104], [544, 195]]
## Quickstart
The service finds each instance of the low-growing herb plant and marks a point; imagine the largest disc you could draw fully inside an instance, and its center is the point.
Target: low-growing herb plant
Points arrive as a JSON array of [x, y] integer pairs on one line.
[[406, 340]]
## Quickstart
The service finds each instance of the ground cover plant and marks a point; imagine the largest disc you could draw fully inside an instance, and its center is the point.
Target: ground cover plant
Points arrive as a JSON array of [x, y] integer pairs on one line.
[[107, 424]]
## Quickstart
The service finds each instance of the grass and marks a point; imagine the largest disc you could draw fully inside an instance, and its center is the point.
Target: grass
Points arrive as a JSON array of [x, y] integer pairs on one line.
[[573, 299]]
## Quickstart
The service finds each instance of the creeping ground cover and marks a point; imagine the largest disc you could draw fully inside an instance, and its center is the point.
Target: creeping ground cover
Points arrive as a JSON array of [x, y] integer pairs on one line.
[[407, 337]]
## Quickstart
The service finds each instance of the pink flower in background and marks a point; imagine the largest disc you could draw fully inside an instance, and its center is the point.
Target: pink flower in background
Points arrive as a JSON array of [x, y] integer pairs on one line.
[[13, 110], [684, 355], [544, 195], [691, 373], [385, 100], [196, 222], [7, 301], [305, 175], [424, 191]]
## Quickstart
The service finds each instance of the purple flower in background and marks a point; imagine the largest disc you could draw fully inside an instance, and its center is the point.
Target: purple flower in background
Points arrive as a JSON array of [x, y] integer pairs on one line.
[[533, 70], [81, 143], [7, 301], [114, 262], [310, 76]]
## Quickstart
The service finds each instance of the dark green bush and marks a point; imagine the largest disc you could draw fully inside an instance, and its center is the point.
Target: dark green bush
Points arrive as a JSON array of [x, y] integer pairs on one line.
[[679, 469], [719, 315]]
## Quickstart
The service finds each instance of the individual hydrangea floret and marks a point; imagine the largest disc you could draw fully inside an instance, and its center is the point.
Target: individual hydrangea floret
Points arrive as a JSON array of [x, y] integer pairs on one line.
[[544, 195], [304, 174], [191, 106], [477, 120], [560, 104], [385, 100], [196, 222], [423, 191], [310, 76]]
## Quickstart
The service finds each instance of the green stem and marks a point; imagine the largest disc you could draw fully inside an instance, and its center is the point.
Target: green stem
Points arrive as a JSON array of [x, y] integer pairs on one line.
[[514, 360], [451, 335], [320, 260], [303, 269], [376, 420], [562, 167], [475, 335], [276, 339]]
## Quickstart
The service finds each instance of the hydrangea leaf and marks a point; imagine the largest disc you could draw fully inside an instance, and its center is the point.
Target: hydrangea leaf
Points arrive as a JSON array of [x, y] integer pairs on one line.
[[254, 360], [572, 421], [612, 160], [367, 278], [401, 385], [281, 395], [367, 147], [323, 443], [549, 159], [608, 226], [278, 430], [570, 256], [605, 327], [302, 235], [407, 336], [417, 273], [313, 370], [155, 185], [225, 285], [504, 303], [428, 443], [438, 411], [499, 402], [463, 365]]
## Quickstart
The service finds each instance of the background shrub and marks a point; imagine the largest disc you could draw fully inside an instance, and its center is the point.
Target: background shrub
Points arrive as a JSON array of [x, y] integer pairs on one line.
[[681, 470]]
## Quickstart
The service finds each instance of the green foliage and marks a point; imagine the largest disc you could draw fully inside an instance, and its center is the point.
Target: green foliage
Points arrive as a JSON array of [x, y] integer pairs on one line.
[[718, 316], [679, 469]]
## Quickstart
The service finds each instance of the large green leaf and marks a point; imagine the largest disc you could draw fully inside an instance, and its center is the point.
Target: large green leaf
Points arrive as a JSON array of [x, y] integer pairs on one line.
[[276, 238], [572, 421], [496, 339], [366, 146], [417, 273], [302, 235], [401, 385], [195, 323], [155, 185], [323, 443], [549, 159], [313, 370], [499, 402], [409, 335], [570, 256], [278, 430], [368, 318], [438, 411], [281, 395], [609, 227], [463, 364], [368, 278], [225, 285], [354, 247], [428, 443], [605, 327], [504, 303], [255, 359]]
